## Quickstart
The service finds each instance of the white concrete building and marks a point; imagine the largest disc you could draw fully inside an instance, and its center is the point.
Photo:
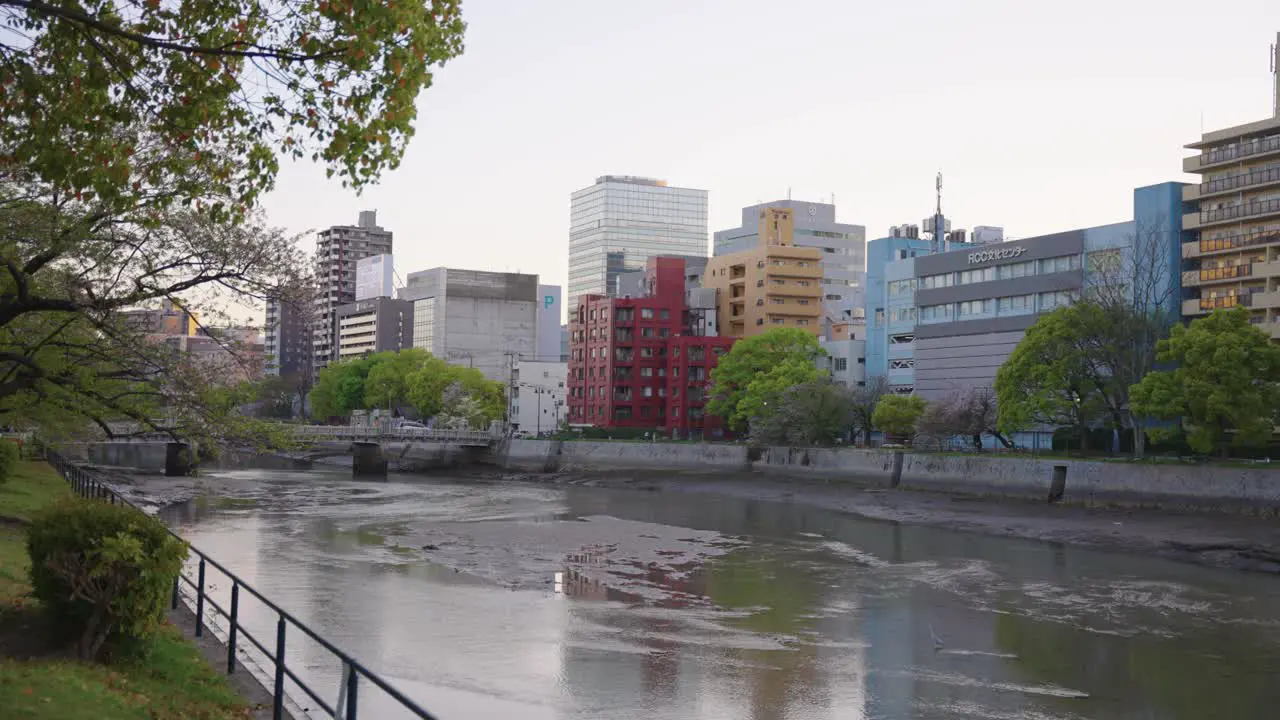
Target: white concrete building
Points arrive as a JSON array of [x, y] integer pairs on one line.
[[484, 320], [537, 397], [845, 360]]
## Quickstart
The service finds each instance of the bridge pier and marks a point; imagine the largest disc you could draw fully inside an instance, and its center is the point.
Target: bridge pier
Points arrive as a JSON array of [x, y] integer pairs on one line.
[[177, 459], [367, 459]]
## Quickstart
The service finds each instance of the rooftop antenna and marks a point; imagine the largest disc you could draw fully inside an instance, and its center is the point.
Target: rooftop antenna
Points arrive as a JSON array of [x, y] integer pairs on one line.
[[788, 192], [1275, 75], [937, 219]]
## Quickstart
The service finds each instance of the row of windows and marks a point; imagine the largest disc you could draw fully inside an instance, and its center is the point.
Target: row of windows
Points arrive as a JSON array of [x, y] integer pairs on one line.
[[1063, 263], [1012, 305]]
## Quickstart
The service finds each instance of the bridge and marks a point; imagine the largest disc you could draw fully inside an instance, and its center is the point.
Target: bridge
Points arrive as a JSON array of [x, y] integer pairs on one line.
[[370, 447], [359, 433]]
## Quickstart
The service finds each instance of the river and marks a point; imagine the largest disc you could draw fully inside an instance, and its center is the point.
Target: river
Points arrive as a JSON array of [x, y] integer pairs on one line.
[[491, 599]]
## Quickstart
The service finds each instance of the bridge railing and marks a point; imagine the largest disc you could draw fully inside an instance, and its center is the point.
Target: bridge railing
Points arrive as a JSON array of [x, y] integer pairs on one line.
[[86, 484], [462, 437]]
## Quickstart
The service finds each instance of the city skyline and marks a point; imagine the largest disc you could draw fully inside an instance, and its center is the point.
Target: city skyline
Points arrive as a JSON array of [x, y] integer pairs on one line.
[[1031, 107]]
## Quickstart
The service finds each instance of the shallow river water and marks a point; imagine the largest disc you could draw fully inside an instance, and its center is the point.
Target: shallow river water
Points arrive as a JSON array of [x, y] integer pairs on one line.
[[485, 599]]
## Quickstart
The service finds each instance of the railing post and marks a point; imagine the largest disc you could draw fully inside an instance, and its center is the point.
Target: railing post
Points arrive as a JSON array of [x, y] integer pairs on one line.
[[352, 677], [231, 634], [200, 601], [173, 603], [277, 705]]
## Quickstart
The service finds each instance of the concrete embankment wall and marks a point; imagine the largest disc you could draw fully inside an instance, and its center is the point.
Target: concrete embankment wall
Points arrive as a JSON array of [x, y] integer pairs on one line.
[[1086, 482]]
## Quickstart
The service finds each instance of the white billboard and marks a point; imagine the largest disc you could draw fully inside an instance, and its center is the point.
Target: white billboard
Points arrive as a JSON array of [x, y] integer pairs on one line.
[[549, 309], [374, 277]]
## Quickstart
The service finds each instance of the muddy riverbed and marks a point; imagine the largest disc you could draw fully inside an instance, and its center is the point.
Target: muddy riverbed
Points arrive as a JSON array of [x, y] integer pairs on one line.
[[484, 597]]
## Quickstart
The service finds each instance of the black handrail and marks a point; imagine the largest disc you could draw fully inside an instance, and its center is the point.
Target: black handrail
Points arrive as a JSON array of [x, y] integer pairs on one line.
[[86, 485]]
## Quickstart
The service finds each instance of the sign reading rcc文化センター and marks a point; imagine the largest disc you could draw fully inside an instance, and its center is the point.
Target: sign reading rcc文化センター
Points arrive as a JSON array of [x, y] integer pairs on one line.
[[981, 256]]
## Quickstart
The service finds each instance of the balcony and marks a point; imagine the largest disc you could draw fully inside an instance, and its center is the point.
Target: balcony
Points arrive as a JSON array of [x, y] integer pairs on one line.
[[624, 335], [1218, 274], [624, 355], [1252, 148], [1233, 242], [622, 375], [1225, 301], [1252, 179], [622, 395], [1266, 299], [1235, 212]]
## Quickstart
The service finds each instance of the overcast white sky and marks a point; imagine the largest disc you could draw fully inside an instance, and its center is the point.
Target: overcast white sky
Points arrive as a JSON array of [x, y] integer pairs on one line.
[[1041, 116]]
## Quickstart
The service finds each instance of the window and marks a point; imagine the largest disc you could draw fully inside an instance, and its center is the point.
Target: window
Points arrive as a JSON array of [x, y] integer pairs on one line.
[[1060, 264], [803, 263], [842, 364], [675, 372], [977, 275], [663, 332], [1016, 270], [759, 321], [1104, 260], [675, 411], [1051, 300], [802, 283], [646, 391], [593, 316], [760, 264], [879, 316], [778, 321], [662, 392], [930, 282], [907, 314], [759, 302], [760, 283], [935, 313], [646, 352], [1016, 305], [905, 364], [646, 313], [664, 314], [778, 301], [974, 307], [802, 321], [646, 332], [802, 301], [901, 339], [646, 372], [898, 288]]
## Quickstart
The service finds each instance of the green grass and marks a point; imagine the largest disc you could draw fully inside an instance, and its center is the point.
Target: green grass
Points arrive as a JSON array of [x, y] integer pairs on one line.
[[33, 485], [171, 681]]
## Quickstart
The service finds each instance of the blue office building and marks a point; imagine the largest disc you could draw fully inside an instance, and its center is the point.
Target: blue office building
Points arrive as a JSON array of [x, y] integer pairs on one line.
[[945, 323]]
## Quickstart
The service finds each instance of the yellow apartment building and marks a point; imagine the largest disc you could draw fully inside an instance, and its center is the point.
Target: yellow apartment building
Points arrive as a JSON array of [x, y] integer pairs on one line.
[[1233, 255], [776, 284]]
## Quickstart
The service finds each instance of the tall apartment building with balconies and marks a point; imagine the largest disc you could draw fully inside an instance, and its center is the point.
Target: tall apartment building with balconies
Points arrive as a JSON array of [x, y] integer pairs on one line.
[[775, 284], [338, 249], [1232, 253]]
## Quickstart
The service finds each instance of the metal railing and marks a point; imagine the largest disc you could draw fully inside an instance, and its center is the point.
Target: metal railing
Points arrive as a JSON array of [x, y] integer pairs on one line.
[[1249, 179], [1245, 149], [347, 706], [360, 432], [1231, 242], [1232, 212], [1225, 272]]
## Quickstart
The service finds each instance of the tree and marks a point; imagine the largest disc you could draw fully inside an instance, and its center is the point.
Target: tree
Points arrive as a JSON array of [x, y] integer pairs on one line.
[[896, 415], [135, 139], [816, 412], [1225, 386], [437, 388], [1050, 378], [339, 388], [1137, 303], [143, 103], [863, 401], [387, 383], [754, 356], [970, 413], [764, 394]]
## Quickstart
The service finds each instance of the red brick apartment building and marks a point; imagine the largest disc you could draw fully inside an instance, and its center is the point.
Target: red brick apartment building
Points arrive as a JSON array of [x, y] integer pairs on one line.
[[634, 362]]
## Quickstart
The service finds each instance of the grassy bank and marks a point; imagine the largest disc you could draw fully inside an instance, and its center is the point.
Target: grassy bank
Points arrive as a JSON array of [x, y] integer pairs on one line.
[[39, 681]]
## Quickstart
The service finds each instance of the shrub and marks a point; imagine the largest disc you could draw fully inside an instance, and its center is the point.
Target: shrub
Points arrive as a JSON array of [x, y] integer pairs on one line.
[[103, 572], [9, 455]]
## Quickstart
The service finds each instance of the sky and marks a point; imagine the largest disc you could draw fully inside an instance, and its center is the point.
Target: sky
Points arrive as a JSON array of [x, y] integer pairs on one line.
[[1041, 117]]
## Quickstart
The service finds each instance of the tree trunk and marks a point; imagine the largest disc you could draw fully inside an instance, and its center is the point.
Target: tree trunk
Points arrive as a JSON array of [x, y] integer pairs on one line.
[[977, 442], [1006, 442], [1139, 436], [866, 436]]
